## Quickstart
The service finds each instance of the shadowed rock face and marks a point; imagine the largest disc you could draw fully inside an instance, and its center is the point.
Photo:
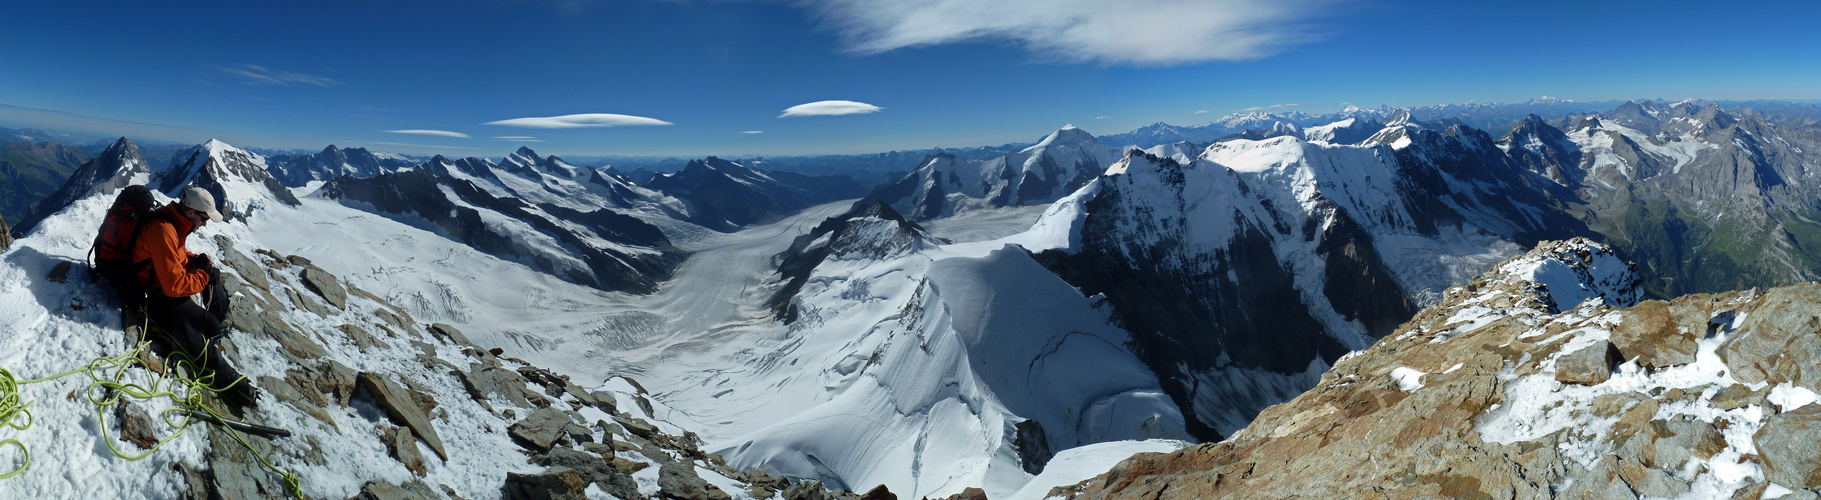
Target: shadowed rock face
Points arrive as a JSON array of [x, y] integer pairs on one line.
[[944, 183], [6, 236], [419, 197], [728, 191], [104, 174], [872, 231], [1235, 317], [332, 162], [1464, 401]]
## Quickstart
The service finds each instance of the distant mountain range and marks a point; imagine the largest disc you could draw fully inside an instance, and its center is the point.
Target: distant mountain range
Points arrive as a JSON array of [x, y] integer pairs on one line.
[[1205, 273]]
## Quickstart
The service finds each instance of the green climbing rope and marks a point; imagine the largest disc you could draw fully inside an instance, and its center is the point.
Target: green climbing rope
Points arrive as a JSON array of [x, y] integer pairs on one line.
[[109, 375]]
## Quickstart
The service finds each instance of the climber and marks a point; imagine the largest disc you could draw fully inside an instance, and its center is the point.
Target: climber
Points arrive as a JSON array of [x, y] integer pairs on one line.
[[184, 295]]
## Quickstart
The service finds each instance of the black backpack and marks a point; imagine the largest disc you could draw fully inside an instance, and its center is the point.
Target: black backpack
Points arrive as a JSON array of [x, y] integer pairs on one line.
[[113, 247]]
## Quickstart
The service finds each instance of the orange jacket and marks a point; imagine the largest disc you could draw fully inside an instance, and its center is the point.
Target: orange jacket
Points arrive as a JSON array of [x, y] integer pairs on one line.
[[162, 241]]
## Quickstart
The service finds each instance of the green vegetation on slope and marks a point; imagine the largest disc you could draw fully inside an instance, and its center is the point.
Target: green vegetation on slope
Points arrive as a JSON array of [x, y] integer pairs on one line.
[[31, 171]]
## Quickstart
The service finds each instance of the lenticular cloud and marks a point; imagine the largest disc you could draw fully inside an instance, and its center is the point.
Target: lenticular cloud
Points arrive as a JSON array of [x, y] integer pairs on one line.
[[1141, 32], [829, 108], [438, 133], [580, 121]]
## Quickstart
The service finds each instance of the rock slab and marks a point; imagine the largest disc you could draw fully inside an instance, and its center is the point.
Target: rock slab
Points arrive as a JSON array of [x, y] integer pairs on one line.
[[327, 286], [555, 483], [541, 429], [1787, 443], [402, 409], [1592, 365]]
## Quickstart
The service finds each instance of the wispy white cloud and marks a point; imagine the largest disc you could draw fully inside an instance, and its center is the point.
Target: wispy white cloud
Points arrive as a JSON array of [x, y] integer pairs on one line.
[[519, 138], [259, 75], [438, 133], [1273, 106], [1102, 117], [1141, 32], [753, 132], [1201, 111], [580, 121], [829, 108]]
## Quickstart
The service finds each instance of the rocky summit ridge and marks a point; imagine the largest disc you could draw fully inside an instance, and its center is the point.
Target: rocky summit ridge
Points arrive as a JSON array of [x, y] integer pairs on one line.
[[1542, 378]]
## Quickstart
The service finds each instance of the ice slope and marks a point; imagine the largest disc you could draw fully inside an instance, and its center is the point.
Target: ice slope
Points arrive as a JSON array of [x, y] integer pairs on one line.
[[943, 381]]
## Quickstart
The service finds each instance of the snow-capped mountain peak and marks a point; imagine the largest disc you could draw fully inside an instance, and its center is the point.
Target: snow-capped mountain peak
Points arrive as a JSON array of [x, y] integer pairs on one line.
[[1068, 135]]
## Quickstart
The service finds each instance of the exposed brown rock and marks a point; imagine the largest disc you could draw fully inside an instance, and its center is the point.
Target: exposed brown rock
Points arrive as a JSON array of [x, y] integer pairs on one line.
[[1738, 396], [541, 429], [449, 334], [401, 443], [1591, 365], [381, 490], [555, 483], [1652, 336], [1790, 443], [1357, 434], [135, 425], [402, 409], [325, 285]]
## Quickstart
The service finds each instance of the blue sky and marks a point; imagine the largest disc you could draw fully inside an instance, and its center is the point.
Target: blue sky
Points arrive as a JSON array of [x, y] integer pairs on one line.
[[947, 73]]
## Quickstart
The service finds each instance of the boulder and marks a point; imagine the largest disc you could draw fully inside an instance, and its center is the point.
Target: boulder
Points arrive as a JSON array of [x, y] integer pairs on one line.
[[555, 483], [337, 380], [593, 470], [391, 319], [427, 349], [1686, 438], [381, 490], [402, 445], [242, 265], [879, 492], [327, 286], [1651, 334], [679, 480], [299, 348], [1738, 396], [361, 339], [637, 426], [1592, 365], [578, 433], [1650, 481], [449, 333], [540, 430], [609, 429], [807, 490], [487, 381], [628, 466], [402, 409], [306, 303], [970, 493], [1787, 445], [298, 260], [135, 425], [310, 404], [605, 401], [1776, 339]]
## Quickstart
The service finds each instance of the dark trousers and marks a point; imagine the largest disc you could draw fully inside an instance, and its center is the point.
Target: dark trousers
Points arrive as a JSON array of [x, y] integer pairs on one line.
[[191, 327]]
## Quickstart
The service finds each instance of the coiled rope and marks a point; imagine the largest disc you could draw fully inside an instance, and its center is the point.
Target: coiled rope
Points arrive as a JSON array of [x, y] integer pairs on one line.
[[109, 375]]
